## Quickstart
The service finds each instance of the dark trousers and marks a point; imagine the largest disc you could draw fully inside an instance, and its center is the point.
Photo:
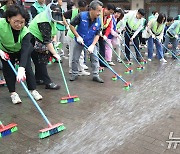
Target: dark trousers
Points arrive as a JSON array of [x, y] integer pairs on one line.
[[101, 50], [142, 40], [41, 72], [136, 42], [10, 76]]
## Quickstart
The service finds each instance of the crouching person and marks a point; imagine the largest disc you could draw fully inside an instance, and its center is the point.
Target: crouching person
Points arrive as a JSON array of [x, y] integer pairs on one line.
[[15, 45], [87, 35]]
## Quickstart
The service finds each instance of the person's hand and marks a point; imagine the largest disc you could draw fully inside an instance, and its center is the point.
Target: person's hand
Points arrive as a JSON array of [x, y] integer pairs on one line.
[[153, 36], [176, 36], [57, 57], [91, 48], [132, 38], [4, 55], [21, 76], [105, 37], [80, 40]]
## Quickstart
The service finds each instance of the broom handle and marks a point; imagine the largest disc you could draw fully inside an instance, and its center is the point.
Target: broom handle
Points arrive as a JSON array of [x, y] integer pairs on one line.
[[60, 66], [1, 125], [31, 97]]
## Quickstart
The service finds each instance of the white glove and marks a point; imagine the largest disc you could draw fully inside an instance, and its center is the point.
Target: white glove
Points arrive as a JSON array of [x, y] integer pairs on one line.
[[21, 76], [153, 36], [91, 48], [176, 36], [80, 40], [57, 57], [132, 38], [4, 55], [105, 37]]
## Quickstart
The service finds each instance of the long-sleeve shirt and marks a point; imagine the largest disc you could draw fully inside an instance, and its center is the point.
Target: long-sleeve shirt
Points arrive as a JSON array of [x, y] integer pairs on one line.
[[132, 15], [172, 28]]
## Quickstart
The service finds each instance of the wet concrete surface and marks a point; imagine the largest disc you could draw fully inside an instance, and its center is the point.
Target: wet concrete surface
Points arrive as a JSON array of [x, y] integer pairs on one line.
[[107, 119]]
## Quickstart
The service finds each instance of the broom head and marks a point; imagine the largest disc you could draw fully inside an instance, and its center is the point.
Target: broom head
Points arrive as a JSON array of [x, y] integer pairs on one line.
[[69, 99], [7, 130]]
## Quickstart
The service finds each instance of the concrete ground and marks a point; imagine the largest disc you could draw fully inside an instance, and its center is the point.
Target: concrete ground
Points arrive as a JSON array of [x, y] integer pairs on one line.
[[106, 120]]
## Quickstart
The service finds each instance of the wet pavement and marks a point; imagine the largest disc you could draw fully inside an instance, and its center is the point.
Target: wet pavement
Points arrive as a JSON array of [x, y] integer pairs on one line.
[[106, 120]]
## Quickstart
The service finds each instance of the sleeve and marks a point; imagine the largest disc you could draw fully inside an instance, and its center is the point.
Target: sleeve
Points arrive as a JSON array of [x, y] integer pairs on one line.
[[26, 49], [45, 29], [68, 14], [33, 11], [114, 33], [139, 29], [172, 28], [149, 25], [76, 20]]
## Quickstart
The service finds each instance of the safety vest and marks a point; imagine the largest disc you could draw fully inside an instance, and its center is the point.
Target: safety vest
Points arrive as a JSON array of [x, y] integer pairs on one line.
[[88, 32], [110, 36], [74, 13], [40, 18], [38, 7], [155, 29], [7, 43], [131, 25]]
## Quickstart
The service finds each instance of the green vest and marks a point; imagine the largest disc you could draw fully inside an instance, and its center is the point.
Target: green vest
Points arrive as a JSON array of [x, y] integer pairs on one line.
[[40, 18], [157, 30], [7, 43], [4, 8], [132, 25], [74, 13], [38, 7]]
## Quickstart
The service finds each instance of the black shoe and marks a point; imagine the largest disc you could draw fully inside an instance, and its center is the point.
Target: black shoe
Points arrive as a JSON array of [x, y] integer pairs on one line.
[[73, 77], [98, 79], [52, 86], [39, 82]]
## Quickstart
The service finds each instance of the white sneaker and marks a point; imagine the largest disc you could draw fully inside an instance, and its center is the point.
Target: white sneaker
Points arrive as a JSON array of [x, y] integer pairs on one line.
[[70, 71], [149, 59], [111, 63], [15, 98], [163, 60], [82, 73], [85, 67], [36, 95]]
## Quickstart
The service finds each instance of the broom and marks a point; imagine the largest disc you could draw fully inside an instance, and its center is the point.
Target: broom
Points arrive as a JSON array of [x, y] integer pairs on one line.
[[126, 85], [68, 98], [51, 129], [8, 129]]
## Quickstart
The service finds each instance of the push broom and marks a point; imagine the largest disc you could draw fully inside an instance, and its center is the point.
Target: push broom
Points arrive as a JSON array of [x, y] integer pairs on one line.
[[8, 129], [129, 70], [143, 60], [51, 129], [126, 84], [68, 98]]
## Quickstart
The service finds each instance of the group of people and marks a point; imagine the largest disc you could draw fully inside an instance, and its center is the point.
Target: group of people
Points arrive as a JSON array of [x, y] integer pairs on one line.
[[92, 29]]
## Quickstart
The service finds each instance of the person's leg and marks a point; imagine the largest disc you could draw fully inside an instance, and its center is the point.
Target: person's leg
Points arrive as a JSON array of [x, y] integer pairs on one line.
[[150, 47], [166, 42], [127, 40], [159, 49], [174, 46], [108, 50], [136, 48], [101, 50]]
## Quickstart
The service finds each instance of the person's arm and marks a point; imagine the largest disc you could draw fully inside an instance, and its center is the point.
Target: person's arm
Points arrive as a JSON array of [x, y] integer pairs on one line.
[[26, 49], [149, 25], [172, 28], [74, 23], [33, 11], [68, 14], [137, 31]]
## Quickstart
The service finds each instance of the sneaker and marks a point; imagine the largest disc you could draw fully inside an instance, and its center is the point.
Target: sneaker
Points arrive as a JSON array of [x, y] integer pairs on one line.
[[85, 67], [73, 77], [39, 82], [15, 98], [52, 86], [119, 60], [111, 63], [82, 73], [70, 71], [149, 59], [162, 60], [36, 95], [98, 79]]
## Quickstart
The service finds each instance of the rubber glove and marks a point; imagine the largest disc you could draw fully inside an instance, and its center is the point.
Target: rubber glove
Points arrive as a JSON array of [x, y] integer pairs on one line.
[[80, 40], [21, 76], [91, 48], [4, 55]]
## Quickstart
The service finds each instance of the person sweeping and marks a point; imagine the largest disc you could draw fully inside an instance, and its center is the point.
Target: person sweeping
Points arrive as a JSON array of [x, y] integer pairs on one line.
[[15, 45]]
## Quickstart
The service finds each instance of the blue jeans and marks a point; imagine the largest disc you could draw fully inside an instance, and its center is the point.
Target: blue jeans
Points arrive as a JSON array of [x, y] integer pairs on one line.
[[159, 49]]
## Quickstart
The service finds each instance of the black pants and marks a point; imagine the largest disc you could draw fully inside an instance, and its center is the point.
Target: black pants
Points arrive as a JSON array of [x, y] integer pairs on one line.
[[41, 72], [141, 39], [10, 76], [101, 50], [136, 42]]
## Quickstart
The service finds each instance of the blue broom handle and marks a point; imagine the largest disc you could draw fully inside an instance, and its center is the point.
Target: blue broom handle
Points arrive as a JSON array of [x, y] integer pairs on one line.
[[135, 46], [31, 97]]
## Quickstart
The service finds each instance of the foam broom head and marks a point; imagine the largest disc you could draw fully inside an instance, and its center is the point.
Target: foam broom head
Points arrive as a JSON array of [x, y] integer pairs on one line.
[[127, 85], [143, 62], [129, 63], [7, 130], [69, 99], [140, 67], [51, 130], [129, 70], [115, 77]]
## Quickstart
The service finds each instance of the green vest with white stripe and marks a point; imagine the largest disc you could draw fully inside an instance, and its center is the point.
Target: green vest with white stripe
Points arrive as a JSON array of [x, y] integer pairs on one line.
[[157, 29], [74, 14], [40, 18], [7, 43], [134, 26], [38, 7]]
